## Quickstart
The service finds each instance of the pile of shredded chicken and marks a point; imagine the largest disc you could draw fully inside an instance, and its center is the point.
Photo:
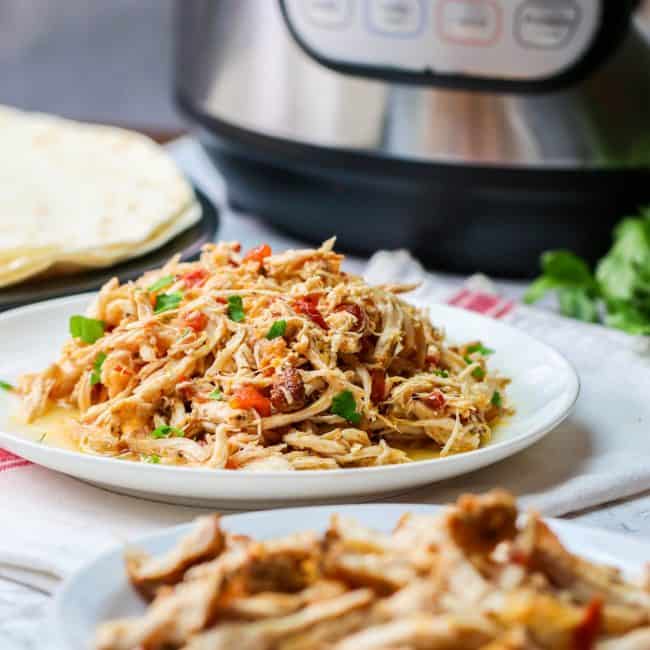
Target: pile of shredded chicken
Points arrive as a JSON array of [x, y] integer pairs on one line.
[[467, 579], [265, 362]]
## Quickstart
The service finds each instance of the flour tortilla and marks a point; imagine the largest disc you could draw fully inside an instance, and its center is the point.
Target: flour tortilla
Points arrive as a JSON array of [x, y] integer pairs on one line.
[[76, 195]]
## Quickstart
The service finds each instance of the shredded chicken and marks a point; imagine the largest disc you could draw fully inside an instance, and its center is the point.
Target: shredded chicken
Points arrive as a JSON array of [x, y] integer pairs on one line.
[[266, 362], [468, 579]]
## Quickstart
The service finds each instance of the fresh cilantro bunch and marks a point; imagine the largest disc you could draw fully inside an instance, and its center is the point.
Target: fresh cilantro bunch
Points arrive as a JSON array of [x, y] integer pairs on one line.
[[617, 294]]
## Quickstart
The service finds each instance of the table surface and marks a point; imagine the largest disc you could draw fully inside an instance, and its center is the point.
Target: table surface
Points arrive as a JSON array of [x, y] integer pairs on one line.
[[24, 610]]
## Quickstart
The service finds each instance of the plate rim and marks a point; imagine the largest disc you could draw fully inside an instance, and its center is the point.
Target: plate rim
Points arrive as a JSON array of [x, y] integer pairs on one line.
[[485, 454], [562, 527]]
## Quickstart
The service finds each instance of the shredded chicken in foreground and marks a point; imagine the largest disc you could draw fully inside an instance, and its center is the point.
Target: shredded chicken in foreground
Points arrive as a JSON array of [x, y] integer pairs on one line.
[[265, 362], [467, 579]]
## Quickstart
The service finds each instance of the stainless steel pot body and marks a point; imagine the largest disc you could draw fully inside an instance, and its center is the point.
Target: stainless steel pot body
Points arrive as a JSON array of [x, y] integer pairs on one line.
[[460, 167], [238, 61]]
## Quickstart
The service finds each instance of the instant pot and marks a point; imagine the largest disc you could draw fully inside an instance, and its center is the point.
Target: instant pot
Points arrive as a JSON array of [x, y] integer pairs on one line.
[[477, 133]]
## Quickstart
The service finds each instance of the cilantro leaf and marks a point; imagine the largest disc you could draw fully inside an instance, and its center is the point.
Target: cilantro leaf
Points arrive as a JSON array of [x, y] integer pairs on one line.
[[86, 329], [153, 458], [478, 373], [167, 301], [344, 405], [575, 302], [216, 394], [165, 431], [236, 309], [277, 329], [561, 269], [481, 349], [496, 400], [5, 385], [162, 283], [96, 375], [441, 373]]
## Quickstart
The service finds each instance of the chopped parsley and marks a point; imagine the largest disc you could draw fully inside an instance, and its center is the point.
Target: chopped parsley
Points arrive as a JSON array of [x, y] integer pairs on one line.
[[42, 437], [478, 373], [496, 400], [277, 329], [5, 385], [167, 301], [162, 283], [86, 329], [154, 459], [441, 373], [216, 394], [344, 405], [165, 431], [481, 349], [96, 375], [236, 309]]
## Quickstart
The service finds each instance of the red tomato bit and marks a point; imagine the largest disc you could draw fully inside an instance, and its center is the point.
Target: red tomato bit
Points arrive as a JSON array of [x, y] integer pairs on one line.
[[356, 311], [585, 635], [195, 278], [308, 307], [196, 320], [378, 392], [435, 400], [258, 254], [248, 397]]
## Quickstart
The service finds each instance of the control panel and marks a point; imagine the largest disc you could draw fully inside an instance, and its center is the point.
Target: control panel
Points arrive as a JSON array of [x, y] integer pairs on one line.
[[509, 40]]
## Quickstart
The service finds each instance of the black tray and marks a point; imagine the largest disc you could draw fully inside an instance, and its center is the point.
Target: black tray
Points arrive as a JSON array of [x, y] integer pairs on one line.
[[188, 244]]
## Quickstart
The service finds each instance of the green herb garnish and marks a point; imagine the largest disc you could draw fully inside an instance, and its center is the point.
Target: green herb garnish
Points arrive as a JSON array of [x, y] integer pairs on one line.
[[236, 309], [5, 385], [496, 400], [165, 431], [277, 329], [96, 374], [216, 394], [153, 458], [478, 373], [86, 329], [481, 349], [162, 283], [344, 405], [167, 301], [441, 373]]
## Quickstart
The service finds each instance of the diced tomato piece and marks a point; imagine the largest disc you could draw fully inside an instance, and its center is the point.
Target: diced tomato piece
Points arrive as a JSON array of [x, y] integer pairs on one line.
[[307, 306], [378, 392], [231, 463], [196, 320], [356, 311], [435, 400], [585, 635], [236, 247], [432, 360], [258, 254], [195, 278], [248, 397]]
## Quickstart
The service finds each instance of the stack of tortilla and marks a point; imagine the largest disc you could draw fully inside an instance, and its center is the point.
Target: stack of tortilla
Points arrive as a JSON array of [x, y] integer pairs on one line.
[[75, 196]]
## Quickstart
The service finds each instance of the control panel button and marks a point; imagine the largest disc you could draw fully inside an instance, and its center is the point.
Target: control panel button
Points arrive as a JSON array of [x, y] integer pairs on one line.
[[545, 25], [397, 17], [331, 14], [469, 22]]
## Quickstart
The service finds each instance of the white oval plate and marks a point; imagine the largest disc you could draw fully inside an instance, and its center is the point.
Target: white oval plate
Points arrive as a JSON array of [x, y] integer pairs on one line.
[[544, 389], [100, 591]]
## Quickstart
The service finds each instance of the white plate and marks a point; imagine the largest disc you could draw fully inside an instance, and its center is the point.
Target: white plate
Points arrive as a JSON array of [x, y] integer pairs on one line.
[[100, 591], [543, 391]]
